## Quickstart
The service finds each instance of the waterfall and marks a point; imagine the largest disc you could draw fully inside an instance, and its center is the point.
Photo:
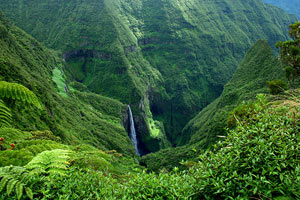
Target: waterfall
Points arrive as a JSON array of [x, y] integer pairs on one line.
[[132, 133]]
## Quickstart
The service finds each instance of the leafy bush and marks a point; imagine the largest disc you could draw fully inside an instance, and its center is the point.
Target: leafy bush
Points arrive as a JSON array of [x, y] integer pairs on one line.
[[95, 160], [15, 157], [78, 184], [12, 136], [260, 158], [290, 53], [43, 144], [44, 135], [240, 111], [276, 86], [14, 179], [175, 185]]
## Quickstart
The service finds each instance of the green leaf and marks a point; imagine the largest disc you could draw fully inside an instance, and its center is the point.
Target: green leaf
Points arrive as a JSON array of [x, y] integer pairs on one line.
[[10, 186], [17, 91], [281, 177], [29, 192], [255, 190], [3, 182], [19, 190]]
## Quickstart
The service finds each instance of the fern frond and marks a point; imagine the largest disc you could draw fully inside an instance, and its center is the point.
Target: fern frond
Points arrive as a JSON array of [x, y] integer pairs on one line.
[[43, 146], [3, 182], [5, 115], [19, 190], [29, 192], [55, 161], [57, 171], [19, 92], [14, 179], [10, 186]]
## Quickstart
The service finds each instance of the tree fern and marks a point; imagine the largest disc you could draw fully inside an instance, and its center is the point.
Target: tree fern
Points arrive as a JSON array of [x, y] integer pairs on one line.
[[16, 91], [49, 162], [15, 179], [5, 115]]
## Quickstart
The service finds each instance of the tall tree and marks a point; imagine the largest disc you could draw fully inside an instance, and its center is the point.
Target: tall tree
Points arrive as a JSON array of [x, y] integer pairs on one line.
[[290, 53]]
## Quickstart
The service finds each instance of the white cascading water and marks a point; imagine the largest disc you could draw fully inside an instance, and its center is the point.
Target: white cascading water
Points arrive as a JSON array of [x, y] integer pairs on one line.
[[132, 134]]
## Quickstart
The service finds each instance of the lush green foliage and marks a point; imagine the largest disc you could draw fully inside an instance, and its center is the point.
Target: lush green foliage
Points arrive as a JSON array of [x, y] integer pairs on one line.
[[258, 67], [14, 180], [276, 86], [76, 118], [55, 161], [259, 158], [12, 136], [171, 58], [18, 92], [14, 91], [5, 115], [290, 53]]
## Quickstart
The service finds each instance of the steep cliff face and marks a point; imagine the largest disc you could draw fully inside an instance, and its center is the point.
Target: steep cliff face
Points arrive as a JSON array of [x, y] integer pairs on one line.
[[167, 59], [290, 6]]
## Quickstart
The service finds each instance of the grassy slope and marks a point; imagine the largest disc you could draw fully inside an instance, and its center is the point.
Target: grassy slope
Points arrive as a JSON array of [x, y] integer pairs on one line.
[[171, 56], [290, 6], [258, 66], [77, 117]]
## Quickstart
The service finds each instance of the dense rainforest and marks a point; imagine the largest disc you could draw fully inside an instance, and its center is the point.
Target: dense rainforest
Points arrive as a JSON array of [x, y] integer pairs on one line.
[[198, 89], [167, 59]]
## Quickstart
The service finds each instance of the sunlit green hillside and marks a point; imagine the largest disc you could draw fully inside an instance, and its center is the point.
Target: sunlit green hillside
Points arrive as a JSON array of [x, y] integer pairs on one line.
[[168, 59], [75, 116], [258, 67]]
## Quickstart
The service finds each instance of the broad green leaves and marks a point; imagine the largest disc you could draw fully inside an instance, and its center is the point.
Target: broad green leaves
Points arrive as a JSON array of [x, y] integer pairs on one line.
[[18, 92]]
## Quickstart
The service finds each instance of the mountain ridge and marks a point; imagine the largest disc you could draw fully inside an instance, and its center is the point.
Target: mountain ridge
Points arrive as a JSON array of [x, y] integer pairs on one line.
[[73, 115], [258, 66], [167, 59]]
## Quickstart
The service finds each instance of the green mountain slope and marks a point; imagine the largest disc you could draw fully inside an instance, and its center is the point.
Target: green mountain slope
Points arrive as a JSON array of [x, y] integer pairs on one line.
[[258, 66], [290, 6], [168, 59], [77, 117]]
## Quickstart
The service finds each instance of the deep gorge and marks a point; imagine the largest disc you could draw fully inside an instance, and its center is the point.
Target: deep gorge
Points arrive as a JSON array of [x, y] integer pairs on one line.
[[167, 59], [149, 99]]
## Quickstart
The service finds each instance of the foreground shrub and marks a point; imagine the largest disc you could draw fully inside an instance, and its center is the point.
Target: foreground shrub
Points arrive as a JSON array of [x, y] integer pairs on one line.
[[276, 86], [259, 159]]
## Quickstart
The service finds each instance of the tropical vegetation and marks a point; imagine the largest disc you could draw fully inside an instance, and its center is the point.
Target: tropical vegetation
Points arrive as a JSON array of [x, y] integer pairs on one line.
[[61, 137]]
